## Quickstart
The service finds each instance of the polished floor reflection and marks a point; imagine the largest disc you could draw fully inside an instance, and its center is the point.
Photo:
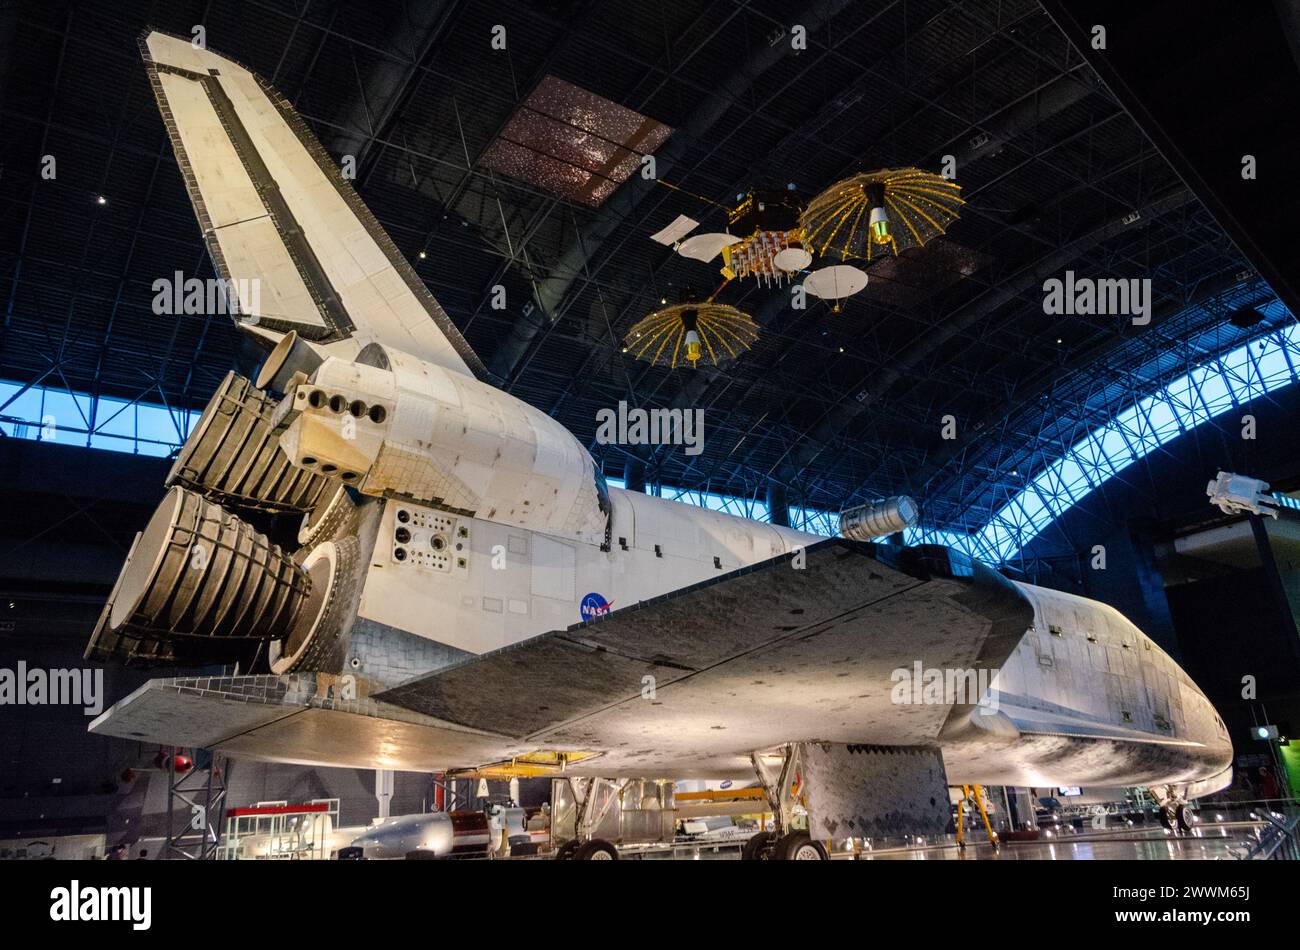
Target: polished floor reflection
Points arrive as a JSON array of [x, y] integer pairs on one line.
[[1218, 842]]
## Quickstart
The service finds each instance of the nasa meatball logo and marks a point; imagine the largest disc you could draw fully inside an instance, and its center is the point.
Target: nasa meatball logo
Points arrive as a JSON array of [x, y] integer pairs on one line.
[[593, 606]]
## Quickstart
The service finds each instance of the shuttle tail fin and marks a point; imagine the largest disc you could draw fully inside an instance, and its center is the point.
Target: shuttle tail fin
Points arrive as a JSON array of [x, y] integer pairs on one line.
[[291, 240]]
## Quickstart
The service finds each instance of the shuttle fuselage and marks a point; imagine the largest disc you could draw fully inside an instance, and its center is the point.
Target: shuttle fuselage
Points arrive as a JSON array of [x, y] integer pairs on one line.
[[1085, 698]]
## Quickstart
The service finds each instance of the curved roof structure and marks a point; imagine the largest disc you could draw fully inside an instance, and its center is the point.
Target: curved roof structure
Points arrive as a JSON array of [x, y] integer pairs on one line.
[[508, 178]]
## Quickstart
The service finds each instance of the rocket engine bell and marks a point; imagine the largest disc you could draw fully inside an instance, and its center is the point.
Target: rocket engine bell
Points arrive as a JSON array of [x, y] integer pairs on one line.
[[878, 518], [201, 585]]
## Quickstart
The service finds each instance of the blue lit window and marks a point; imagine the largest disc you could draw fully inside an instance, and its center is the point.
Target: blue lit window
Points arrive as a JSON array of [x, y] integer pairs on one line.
[[1207, 391], [55, 415]]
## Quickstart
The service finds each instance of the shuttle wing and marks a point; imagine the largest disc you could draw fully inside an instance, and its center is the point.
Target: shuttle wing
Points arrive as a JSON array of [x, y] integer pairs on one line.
[[687, 684], [303, 719], [691, 682], [281, 222]]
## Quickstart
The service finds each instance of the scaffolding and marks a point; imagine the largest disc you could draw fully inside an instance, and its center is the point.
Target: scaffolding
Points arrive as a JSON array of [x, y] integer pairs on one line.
[[194, 803], [280, 831]]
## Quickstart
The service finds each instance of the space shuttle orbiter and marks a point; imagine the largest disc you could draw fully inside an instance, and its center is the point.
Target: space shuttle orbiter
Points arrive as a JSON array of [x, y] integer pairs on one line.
[[464, 588]]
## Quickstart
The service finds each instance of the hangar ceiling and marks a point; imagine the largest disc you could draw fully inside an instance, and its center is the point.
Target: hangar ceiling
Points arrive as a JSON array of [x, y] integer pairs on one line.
[[834, 407]]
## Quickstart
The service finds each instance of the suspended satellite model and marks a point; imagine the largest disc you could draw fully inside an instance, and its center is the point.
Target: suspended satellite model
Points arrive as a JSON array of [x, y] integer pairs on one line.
[[773, 236], [893, 209], [691, 332]]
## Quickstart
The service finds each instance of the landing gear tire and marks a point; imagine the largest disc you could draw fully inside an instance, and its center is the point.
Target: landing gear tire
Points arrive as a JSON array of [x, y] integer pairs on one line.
[[567, 850], [596, 850], [1183, 817], [1171, 817], [758, 847], [797, 846]]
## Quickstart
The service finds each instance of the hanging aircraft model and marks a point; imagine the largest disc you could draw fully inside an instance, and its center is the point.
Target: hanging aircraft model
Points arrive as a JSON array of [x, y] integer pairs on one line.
[[465, 588]]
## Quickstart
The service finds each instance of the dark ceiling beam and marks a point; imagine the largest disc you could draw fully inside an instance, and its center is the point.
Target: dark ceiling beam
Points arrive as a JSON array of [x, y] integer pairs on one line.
[[1233, 61], [972, 434], [999, 129], [876, 386], [1288, 11], [1022, 116], [8, 30], [573, 261], [420, 26]]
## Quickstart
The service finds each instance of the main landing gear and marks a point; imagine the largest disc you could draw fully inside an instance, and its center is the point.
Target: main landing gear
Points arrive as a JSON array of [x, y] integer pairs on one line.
[[785, 795]]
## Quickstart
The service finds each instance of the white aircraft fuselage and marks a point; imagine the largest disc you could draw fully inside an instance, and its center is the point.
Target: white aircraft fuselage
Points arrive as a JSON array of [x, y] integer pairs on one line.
[[1085, 698]]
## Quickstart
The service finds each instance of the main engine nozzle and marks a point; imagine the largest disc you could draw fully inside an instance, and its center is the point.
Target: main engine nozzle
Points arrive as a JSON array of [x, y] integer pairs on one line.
[[201, 585]]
